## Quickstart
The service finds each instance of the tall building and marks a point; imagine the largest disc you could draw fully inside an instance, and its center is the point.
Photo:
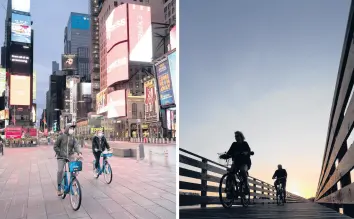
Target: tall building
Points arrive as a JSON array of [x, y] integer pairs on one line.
[[170, 12], [55, 99], [55, 66], [77, 40]]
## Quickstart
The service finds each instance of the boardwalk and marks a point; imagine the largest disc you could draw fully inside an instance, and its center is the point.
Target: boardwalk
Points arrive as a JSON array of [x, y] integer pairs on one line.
[[291, 210], [138, 190]]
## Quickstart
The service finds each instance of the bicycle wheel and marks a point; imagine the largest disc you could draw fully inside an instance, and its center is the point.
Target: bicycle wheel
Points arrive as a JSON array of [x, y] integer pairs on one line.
[[62, 188], [94, 171], [108, 173], [245, 195], [230, 186], [75, 194]]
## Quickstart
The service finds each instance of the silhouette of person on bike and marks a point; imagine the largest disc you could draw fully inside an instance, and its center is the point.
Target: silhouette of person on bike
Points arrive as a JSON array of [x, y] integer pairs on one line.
[[240, 152], [280, 175]]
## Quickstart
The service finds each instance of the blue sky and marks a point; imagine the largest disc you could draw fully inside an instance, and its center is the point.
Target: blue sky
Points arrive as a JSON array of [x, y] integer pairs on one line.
[[49, 21], [267, 68]]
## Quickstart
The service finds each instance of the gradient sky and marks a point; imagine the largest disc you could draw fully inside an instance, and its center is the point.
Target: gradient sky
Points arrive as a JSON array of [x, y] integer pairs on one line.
[[49, 21], [267, 68]]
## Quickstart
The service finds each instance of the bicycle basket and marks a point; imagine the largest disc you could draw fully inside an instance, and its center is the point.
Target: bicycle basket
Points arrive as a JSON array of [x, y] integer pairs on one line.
[[106, 155], [75, 166]]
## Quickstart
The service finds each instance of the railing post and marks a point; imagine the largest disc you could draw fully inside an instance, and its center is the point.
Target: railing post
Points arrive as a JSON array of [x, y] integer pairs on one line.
[[254, 190], [262, 187], [204, 182]]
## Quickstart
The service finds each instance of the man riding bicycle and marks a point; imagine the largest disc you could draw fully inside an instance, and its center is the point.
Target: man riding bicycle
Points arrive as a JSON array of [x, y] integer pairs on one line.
[[240, 152], [99, 144], [280, 175], [64, 147]]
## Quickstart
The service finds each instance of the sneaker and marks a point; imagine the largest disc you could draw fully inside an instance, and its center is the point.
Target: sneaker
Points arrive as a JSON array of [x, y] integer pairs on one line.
[[59, 193]]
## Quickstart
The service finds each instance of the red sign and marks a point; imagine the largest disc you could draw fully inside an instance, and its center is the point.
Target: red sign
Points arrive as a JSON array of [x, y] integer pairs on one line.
[[117, 64], [13, 132], [140, 33], [33, 132], [116, 26]]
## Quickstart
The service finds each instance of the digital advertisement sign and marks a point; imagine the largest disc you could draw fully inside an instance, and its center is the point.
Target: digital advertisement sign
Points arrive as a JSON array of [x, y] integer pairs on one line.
[[69, 62], [2, 80], [34, 86], [21, 5], [117, 64], [21, 28], [172, 64], [117, 104], [20, 63], [151, 101], [20, 90], [116, 26], [173, 40], [101, 101], [81, 22], [165, 84], [140, 33]]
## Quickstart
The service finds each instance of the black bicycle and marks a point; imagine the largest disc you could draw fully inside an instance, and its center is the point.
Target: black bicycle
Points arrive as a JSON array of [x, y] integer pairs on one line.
[[235, 186], [280, 193]]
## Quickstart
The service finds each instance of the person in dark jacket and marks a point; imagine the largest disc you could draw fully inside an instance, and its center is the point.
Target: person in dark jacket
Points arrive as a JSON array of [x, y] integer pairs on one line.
[[280, 174], [65, 147], [99, 144]]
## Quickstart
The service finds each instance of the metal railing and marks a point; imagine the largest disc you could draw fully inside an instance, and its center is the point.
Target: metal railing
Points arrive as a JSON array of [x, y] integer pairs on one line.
[[199, 183]]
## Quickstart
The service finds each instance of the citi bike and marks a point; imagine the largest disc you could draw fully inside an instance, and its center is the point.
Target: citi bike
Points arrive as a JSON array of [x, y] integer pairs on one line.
[[106, 167], [235, 185]]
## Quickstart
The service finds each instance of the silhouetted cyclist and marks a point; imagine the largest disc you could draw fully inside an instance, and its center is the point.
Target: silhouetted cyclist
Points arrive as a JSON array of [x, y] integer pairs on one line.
[[280, 174], [241, 157]]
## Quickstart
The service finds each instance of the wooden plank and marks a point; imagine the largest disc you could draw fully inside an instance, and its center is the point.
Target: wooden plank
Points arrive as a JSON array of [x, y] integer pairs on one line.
[[345, 91], [343, 168], [197, 175], [200, 157], [195, 163], [342, 196], [197, 187]]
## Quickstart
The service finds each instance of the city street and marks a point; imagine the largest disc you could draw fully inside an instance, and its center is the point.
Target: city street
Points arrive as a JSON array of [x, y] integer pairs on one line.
[[28, 188]]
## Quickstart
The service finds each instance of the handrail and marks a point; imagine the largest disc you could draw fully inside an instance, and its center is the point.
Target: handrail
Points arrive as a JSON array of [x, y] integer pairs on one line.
[[204, 184]]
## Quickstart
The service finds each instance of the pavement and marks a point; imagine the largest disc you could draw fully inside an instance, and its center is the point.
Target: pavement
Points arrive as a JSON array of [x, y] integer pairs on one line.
[[138, 190]]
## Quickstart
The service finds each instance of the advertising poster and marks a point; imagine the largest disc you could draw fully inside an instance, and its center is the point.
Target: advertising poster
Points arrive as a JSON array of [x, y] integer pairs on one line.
[[173, 75], [34, 85], [168, 118], [69, 62], [2, 80], [21, 5], [173, 38], [21, 28], [33, 112], [151, 101], [140, 33], [165, 84], [116, 26], [117, 64], [71, 80], [117, 104], [101, 101], [20, 90]]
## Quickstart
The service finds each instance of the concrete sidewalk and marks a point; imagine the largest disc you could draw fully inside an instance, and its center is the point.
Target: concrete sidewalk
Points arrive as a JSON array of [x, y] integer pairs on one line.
[[28, 188]]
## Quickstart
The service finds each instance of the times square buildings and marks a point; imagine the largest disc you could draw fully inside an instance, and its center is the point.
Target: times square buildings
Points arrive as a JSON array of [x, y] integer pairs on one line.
[[128, 104]]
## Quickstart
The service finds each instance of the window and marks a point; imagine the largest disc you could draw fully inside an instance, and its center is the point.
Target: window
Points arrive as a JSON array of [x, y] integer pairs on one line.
[[134, 111]]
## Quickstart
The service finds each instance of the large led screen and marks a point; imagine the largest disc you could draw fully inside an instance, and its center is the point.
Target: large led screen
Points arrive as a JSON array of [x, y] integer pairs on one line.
[[34, 86], [69, 62], [20, 90], [2, 80], [101, 101], [165, 84], [21, 28], [117, 64], [79, 21], [172, 65], [151, 101], [140, 33], [173, 39], [116, 26], [117, 104], [21, 5]]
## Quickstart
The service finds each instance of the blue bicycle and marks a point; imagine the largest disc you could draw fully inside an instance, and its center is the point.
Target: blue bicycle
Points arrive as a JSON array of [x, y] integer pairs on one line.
[[72, 186], [106, 167]]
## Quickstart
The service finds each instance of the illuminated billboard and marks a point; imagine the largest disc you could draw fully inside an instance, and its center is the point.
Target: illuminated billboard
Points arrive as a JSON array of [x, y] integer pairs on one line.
[[173, 40], [21, 28], [34, 86], [69, 62], [21, 5], [116, 26], [140, 33], [71, 80], [117, 104], [165, 84], [172, 64], [80, 21], [101, 101], [20, 90], [151, 101], [33, 113], [2, 80], [117, 64]]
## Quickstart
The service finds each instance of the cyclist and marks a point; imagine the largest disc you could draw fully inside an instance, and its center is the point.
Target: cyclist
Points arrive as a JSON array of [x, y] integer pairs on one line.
[[64, 147], [280, 175], [99, 144], [240, 152]]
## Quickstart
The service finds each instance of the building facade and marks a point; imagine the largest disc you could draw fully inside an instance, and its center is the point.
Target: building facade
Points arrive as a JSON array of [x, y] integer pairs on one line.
[[170, 12]]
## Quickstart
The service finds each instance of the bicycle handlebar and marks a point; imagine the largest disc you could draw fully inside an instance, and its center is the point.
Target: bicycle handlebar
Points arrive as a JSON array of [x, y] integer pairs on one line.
[[225, 156], [280, 178]]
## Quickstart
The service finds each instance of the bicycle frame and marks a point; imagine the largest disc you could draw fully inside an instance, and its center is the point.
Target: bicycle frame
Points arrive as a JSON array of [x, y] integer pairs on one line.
[[67, 184], [104, 162]]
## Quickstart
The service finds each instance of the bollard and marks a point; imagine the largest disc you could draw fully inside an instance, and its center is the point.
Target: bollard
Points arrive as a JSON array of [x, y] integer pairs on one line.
[[137, 154], [141, 151], [150, 157], [166, 158]]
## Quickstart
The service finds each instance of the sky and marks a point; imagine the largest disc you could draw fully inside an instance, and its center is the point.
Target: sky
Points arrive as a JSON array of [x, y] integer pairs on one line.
[[267, 69], [49, 21]]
